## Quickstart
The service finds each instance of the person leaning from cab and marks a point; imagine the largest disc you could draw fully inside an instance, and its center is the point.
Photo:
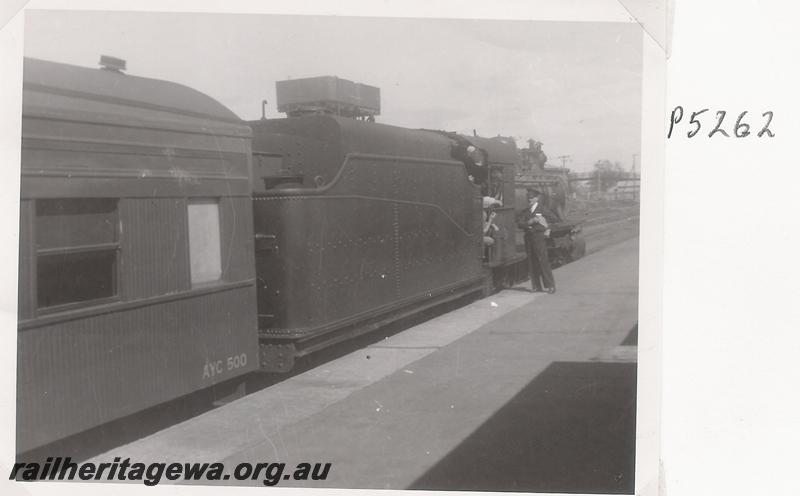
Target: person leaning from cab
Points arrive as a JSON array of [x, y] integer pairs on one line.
[[534, 224]]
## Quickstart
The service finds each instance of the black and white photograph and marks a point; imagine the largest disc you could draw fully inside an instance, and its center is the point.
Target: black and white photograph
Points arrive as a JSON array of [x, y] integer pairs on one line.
[[332, 251], [523, 246]]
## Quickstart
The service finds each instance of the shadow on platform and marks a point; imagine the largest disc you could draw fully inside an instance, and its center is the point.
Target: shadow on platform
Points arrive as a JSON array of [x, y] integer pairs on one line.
[[572, 429]]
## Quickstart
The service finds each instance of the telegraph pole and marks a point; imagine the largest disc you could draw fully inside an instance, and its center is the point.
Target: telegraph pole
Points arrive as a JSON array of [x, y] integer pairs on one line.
[[563, 160]]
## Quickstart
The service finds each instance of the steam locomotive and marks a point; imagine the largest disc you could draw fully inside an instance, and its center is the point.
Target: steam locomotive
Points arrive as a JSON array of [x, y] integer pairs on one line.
[[167, 246]]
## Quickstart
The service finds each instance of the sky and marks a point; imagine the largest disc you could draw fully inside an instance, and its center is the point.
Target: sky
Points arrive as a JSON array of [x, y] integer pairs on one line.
[[575, 86]]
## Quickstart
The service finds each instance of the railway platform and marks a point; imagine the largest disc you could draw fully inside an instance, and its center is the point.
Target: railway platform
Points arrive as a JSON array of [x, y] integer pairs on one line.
[[514, 392]]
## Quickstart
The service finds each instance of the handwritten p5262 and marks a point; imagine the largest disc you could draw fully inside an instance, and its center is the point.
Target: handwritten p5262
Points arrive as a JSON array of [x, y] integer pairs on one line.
[[740, 129]]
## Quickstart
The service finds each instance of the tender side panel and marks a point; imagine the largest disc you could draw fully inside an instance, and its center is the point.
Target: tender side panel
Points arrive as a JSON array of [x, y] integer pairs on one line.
[[389, 232]]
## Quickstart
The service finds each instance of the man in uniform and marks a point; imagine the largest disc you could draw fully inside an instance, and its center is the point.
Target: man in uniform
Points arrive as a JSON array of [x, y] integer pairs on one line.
[[533, 223]]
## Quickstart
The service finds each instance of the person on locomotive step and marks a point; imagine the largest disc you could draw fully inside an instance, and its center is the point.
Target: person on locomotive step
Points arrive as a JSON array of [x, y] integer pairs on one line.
[[489, 227], [533, 223]]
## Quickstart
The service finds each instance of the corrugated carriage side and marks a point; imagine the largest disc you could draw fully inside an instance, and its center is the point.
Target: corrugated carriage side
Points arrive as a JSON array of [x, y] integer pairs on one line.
[[136, 256]]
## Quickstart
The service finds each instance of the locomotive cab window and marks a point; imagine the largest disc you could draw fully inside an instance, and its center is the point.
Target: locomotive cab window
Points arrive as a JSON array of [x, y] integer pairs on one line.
[[205, 254], [77, 248], [498, 184]]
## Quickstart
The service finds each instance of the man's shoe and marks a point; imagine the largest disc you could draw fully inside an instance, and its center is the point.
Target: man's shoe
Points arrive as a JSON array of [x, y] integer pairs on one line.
[[551, 290]]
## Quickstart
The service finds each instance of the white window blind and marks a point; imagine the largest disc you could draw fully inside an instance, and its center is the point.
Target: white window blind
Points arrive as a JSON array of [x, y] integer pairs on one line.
[[204, 241]]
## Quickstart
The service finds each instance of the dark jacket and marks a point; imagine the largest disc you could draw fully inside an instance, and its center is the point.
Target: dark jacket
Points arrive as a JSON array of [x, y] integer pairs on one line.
[[526, 215]]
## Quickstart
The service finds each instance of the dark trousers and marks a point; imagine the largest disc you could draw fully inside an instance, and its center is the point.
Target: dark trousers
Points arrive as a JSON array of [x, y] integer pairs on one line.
[[538, 263]]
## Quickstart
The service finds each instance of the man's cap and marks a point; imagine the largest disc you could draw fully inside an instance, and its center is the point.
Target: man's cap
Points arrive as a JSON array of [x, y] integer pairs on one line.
[[533, 191]]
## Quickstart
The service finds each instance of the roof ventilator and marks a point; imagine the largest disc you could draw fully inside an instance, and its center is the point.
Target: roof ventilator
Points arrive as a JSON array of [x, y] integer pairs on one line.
[[108, 63]]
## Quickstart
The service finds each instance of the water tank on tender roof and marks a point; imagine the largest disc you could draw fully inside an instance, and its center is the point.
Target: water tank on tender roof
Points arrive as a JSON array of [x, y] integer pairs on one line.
[[328, 95]]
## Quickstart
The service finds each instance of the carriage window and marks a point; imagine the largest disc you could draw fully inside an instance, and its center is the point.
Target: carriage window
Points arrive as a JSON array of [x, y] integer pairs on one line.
[[205, 257], [76, 250]]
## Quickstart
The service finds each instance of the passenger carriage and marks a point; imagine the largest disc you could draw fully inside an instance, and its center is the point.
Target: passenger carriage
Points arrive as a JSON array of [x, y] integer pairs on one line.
[[136, 247]]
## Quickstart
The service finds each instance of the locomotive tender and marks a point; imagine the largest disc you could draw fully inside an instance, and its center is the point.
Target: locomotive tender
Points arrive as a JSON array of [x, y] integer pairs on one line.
[[167, 246]]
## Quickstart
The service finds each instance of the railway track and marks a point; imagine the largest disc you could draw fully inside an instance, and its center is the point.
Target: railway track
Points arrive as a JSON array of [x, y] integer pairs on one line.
[[601, 236]]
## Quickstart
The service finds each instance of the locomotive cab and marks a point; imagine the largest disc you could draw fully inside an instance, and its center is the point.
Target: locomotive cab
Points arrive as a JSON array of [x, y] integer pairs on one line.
[[494, 177]]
